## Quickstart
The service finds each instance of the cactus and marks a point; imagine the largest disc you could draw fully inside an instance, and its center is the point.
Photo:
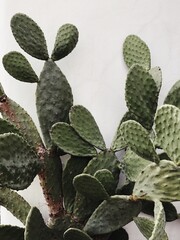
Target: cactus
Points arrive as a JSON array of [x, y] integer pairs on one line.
[[86, 201]]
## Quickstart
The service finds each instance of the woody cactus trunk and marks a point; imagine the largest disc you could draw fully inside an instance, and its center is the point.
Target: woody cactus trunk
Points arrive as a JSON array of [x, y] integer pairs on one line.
[[84, 196]]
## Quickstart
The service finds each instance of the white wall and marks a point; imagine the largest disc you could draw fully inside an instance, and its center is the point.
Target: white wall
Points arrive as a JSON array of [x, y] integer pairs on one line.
[[95, 69]]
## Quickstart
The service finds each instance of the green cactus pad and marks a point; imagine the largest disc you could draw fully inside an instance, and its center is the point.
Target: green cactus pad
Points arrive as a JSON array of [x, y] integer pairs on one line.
[[74, 166], [136, 51], [133, 165], [104, 160], [17, 160], [36, 229], [14, 203], [111, 215], [169, 209], [173, 96], [18, 117], [156, 73], [66, 40], [76, 234], [90, 187], [120, 234], [106, 178], [153, 230], [19, 67], [141, 95], [85, 125], [6, 126], [84, 207], [137, 138], [29, 36], [53, 98], [145, 225], [159, 223], [65, 137], [167, 127], [158, 182], [8, 232]]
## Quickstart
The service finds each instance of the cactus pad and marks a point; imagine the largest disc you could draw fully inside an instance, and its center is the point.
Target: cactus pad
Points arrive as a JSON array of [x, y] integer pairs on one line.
[[65, 137], [29, 36], [66, 40], [173, 97], [153, 230], [159, 182], [17, 160], [167, 127], [76, 234], [133, 165], [137, 138], [141, 95], [19, 67], [112, 215], [8, 232], [106, 178], [53, 98], [156, 73], [14, 203], [74, 166], [104, 160], [18, 117], [136, 51], [90, 187], [6, 126], [36, 228], [85, 125]]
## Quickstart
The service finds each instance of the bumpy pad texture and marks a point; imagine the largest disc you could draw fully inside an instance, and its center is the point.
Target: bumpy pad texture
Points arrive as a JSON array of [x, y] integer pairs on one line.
[[137, 138], [145, 226], [90, 187], [6, 126], [111, 215], [65, 137], [19, 163], [85, 125], [106, 178], [53, 98], [74, 166], [133, 165], [157, 76], [141, 95], [29, 36], [136, 51], [19, 67], [76, 234], [36, 228], [173, 96], [17, 116], [8, 232], [159, 222], [159, 182], [14, 203], [66, 40], [167, 127], [104, 160]]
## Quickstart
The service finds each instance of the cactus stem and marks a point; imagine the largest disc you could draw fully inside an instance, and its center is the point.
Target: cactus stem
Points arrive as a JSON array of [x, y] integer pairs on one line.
[[56, 208]]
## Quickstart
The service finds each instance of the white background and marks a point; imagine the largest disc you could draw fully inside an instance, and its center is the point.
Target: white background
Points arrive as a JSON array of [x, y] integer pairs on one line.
[[95, 69]]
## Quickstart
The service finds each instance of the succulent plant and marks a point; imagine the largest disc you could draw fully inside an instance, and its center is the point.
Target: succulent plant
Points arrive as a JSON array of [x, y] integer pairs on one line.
[[85, 198]]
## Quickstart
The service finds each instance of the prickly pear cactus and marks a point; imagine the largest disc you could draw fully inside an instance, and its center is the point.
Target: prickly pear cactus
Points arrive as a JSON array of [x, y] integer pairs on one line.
[[86, 199]]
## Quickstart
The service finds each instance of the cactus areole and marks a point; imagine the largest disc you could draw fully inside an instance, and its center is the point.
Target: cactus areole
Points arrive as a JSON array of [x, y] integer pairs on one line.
[[84, 197]]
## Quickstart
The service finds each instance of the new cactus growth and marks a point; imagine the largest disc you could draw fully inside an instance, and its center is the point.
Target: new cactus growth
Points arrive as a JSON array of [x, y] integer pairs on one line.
[[85, 199]]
